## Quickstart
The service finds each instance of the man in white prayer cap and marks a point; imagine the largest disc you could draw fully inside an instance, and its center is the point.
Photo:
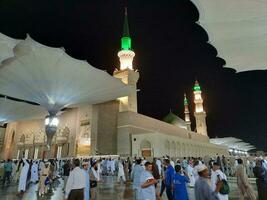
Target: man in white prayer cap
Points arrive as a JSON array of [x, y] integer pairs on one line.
[[202, 189]]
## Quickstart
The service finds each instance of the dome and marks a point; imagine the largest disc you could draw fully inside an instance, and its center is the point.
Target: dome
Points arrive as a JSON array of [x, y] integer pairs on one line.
[[175, 120]]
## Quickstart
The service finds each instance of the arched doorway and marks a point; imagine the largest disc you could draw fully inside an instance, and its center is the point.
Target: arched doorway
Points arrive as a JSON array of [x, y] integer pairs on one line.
[[146, 148]]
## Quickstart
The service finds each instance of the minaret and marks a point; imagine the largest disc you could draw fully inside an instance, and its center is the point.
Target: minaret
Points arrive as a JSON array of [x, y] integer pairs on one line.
[[186, 114], [200, 114], [126, 72]]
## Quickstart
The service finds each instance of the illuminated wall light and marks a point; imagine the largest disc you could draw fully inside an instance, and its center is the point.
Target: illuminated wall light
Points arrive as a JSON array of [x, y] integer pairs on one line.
[[85, 141]]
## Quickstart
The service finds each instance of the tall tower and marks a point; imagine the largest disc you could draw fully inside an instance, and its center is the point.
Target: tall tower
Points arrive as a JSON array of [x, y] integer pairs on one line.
[[186, 114], [126, 72], [200, 114]]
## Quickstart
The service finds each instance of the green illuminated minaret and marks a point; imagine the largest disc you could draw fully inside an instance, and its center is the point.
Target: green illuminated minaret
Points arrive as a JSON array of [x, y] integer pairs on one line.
[[126, 54], [187, 114], [126, 73], [126, 40], [200, 113]]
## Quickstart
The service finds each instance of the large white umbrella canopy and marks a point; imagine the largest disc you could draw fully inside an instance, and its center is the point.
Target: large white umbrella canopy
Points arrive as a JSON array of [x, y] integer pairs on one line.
[[7, 45], [53, 79], [238, 30], [12, 110]]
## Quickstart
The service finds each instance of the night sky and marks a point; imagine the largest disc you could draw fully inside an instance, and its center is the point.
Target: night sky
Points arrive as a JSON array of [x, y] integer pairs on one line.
[[172, 50]]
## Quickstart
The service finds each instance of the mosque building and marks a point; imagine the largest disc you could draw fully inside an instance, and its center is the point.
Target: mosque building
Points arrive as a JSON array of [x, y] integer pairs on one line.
[[114, 127]]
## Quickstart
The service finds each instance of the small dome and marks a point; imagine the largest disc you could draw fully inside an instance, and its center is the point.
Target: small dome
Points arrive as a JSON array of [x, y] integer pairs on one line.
[[175, 120]]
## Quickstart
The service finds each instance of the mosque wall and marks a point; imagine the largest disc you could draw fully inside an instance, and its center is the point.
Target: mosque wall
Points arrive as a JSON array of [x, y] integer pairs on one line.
[[27, 138], [106, 130], [161, 145], [84, 130], [9, 141], [124, 146], [2, 139]]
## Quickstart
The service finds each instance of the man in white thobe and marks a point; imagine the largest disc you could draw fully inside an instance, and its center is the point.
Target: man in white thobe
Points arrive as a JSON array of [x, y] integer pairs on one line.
[[109, 165], [147, 183], [23, 177], [217, 175], [76, 183], [86, 191], [121, 174], [191, 174], [112, 166], [34, 172]]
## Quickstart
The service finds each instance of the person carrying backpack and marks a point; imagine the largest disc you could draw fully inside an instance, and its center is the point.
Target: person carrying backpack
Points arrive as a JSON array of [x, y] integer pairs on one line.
[[216, 176]]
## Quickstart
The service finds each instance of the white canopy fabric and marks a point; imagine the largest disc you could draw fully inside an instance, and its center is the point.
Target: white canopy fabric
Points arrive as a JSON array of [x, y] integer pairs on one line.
[[53, 79], [233, 143], [13, 110], [6, 46], [238, 30]]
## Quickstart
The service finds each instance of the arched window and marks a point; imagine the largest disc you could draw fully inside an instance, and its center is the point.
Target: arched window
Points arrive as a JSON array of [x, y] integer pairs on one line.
[[167, 147], [146, 148]]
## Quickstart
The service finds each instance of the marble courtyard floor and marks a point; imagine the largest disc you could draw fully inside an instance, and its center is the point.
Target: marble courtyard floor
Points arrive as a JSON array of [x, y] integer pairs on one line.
[[107, 190]]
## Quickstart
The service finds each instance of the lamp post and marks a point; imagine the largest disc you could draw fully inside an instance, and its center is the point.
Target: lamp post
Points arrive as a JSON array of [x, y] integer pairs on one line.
[[51, 124]]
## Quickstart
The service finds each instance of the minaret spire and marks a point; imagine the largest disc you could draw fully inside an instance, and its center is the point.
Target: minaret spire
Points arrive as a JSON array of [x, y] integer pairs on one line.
[[186, 113], [126, 40], [126, 72], [200, 114], [126, 53]]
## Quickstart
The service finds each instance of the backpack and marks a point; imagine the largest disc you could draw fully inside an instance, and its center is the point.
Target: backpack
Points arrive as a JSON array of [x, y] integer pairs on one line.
[[225, 189]]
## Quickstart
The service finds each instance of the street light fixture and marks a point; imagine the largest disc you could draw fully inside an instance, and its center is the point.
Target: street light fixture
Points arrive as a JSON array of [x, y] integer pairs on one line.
[[51, 124]]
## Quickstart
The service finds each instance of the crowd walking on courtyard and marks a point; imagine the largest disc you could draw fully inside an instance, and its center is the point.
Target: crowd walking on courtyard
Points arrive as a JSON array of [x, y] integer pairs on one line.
[[149, 179]]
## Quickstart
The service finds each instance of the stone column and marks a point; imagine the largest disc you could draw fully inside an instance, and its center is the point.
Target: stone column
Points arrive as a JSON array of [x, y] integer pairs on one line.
[[26, 153], [59, 151], [36, 151], [18, 152]]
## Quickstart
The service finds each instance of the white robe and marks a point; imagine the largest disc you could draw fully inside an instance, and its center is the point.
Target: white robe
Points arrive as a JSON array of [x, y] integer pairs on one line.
[[121, 172], [23, 176], [34, 173], [109, 165], [190, 171], [214, 179], [112, 166], [158, 162], [99, 171]]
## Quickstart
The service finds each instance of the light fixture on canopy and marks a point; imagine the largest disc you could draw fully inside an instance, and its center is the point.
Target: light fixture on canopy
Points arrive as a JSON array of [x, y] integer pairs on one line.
[[237, 28], [51, 125]]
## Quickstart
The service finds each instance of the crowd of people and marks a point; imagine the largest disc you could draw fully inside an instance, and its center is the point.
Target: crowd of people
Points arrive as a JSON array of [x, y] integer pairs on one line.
[[150, 179]]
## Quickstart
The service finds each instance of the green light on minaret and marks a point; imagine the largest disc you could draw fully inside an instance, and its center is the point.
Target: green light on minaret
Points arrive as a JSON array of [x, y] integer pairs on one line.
[[126, 42], [197, 86], [185, 100]]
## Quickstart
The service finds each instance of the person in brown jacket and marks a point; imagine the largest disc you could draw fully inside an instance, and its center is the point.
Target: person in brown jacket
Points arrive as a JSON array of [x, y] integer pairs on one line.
[[243, 183]]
